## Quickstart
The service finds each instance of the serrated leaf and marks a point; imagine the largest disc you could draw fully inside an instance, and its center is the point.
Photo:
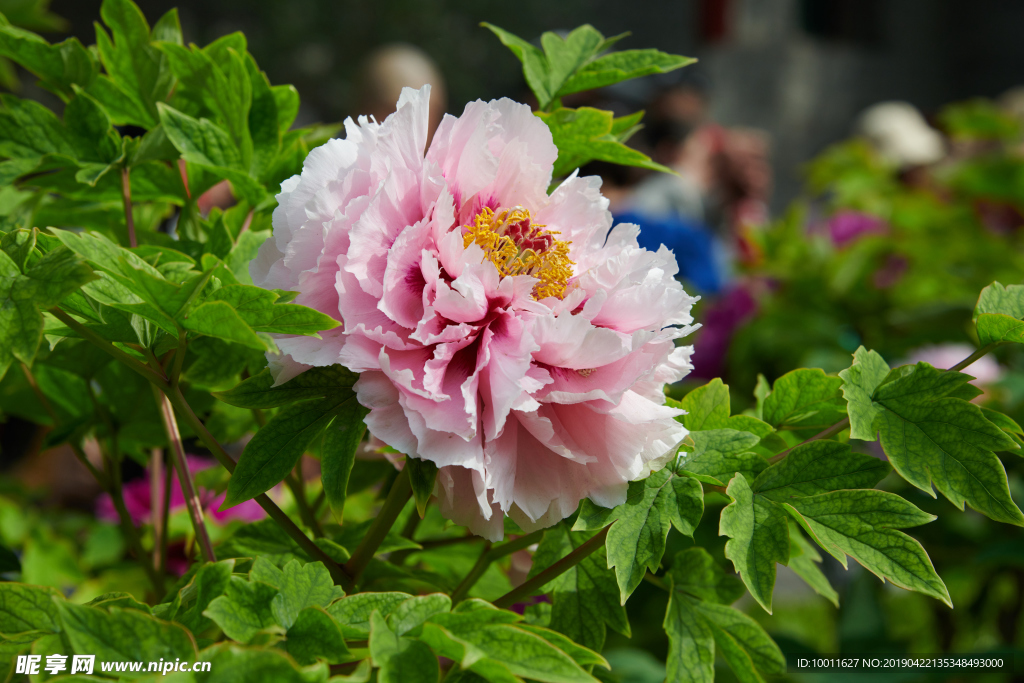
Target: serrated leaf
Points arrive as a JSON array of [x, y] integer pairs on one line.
[[622, 66], [200, 141], [59, 66], [707, 407], [585, 599], [244, 610], [218, 319], [860, 381], [804, 560], [758, 539], [819, 467], [863, 524], [694, 571], [400, 659], [229, 662], [804, 398], [124, 634], [998, 314], [353, 612], [636, 541], [338, 454], [719, 453], [585, 134], [300, 586], [409, 615], [209, 583], [931, 438], [258, 308], [743, 643]]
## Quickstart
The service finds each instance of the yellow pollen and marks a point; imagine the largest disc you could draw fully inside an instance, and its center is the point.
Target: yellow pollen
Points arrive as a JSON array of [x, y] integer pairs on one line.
[[518, 247]]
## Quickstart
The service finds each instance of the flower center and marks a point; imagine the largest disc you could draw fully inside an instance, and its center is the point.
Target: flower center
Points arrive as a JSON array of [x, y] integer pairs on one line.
[[518, 247]]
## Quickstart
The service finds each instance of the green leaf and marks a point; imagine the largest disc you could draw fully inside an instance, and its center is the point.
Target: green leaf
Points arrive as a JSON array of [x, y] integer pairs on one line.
[[819, 467], [719, 453], [315, 635], [998, 314], [863, 524], [422, 475], [401, 660], [409, 615], [353, 612], [585, 599], [300, 586], [124, 634], [707, 407], [636, 541], [28, 608], [695, 572], [338, 454], [58, 66], [804, 398], [758, 539], [260, 392], [218, 319], [860, 381], [244, 610], [209, 583], [21, 324], [585, 134], [931, 438], [697, 629], [804, 559], [273, 452], [230, 663], [622, 66], [257, 307], [28, 130]]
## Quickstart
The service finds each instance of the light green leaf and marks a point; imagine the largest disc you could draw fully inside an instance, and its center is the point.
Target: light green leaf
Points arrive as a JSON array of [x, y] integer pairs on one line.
[[59, 66], [401, 660], [200, 141], [622, 66], [210, 582], [819, 467], [804, 399], [584, 599], [218, 319], [315, 635], [257, 307], [230, 663], [585, 134], [860, 381], [998, 314], [636, 541], [353, 612], [804, 559], [338, 454], [695, 572], [719, 453], [244, 610], [21, 324], [408, 616], [707, 407], [931, 438], [124, 634], [758, 539], [863, 524], [300, 586]]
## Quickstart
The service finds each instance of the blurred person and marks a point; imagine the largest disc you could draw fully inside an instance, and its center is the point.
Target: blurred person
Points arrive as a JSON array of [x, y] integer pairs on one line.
[[392, 67]]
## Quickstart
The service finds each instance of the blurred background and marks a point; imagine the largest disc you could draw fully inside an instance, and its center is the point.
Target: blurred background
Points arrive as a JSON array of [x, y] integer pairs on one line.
[[850, 172]]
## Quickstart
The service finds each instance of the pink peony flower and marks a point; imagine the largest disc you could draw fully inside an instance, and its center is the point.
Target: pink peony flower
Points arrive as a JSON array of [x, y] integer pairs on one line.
[[498, 332], [847, 226]]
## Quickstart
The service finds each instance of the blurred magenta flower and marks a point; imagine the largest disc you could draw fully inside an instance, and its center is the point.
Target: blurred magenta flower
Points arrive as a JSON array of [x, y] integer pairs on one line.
[[139, 502], [846, 226]]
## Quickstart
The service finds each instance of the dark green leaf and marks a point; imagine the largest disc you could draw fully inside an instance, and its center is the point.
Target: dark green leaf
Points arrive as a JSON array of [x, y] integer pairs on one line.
[[259, 391], [622, 66], [124, 634], [353, 612], [338, 453], [209, 583], [315, 635], [422, 475], [819, 467], [636, 541], [244, 610], [694, 571], [804, 559], [59, 66], [27, 608], [719, 453], [400, 659], [863, 524]]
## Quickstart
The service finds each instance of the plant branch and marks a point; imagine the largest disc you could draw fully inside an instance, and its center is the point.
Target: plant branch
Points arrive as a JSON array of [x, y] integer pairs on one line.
[[489, 555], [126, 195], [127, 525], [399, 494], [188, 487], [156, 502], [296, 486], [531, 586], [966, 362]]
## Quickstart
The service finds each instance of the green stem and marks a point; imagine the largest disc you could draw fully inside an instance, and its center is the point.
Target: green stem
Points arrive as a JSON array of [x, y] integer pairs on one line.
[[179, 359], [188, 487], [165, 515], [398, 496], [156, 504], [126, 196], [531, 586], [127, 525], [975, 356], [296, 486], [491, 554], [47, 406]]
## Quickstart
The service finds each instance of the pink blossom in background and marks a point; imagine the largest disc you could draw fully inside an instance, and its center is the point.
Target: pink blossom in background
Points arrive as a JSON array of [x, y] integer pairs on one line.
[[139, 502], [985, 370], [721, 320], [846, 226], [890, 272], [496, 330]]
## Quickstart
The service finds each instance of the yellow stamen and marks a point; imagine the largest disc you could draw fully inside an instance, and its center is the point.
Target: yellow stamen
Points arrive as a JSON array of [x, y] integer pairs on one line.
[[518, 247]]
